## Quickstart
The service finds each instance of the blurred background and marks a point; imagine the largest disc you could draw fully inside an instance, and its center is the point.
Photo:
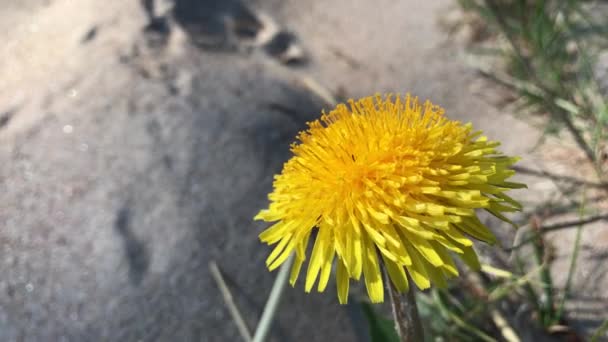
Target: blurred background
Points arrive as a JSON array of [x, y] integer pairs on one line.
[[138, 138]]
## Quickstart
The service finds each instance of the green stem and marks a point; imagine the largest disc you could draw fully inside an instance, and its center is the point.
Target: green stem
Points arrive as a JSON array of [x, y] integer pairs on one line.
[[548, 311], [273, 302], [573, 259], [447, 313], [405, 312], [530, 292]]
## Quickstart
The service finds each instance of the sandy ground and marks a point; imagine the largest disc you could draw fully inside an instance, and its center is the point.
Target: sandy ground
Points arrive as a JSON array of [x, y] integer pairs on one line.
[[133, 154]]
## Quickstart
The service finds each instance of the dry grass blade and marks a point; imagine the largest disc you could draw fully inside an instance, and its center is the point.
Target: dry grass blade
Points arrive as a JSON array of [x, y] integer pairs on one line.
[[228, 299]]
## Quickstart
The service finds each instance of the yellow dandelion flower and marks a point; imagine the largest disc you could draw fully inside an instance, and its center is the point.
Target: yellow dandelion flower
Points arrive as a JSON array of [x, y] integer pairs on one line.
[[391, 178]]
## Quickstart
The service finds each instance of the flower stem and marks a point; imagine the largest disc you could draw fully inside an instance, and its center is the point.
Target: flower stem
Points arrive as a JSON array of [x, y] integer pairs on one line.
[[405, 312], [272, 304]]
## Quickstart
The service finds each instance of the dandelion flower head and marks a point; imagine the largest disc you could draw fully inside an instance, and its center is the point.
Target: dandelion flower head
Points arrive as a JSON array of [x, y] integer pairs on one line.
[[387, 181]]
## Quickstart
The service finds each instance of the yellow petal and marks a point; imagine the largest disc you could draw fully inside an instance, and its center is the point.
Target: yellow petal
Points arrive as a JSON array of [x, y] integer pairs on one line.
[[358, 257], [295, 270], [398, 250], [342, 282], [448, 243], [470, 258], [397, 275], [303, 244], [425, 249], [417, 270], [454, 234], [316, 260], [501, 216], [278, 249], [276, 231], [436, 275], [281, 258], [448, 263], [326, 268], [371, 272], [474, 227], [414, 226], [376, 237], [269, 215]]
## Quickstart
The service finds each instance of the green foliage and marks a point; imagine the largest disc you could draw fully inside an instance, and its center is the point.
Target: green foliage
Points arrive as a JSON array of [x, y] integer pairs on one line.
[[454, 315], [545, 52], [600, 332], [551, 47], [381, 329]]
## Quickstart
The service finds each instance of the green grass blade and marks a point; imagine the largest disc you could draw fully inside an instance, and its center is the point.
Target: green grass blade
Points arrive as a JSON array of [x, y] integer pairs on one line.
[[573, 260], [597, 335]]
